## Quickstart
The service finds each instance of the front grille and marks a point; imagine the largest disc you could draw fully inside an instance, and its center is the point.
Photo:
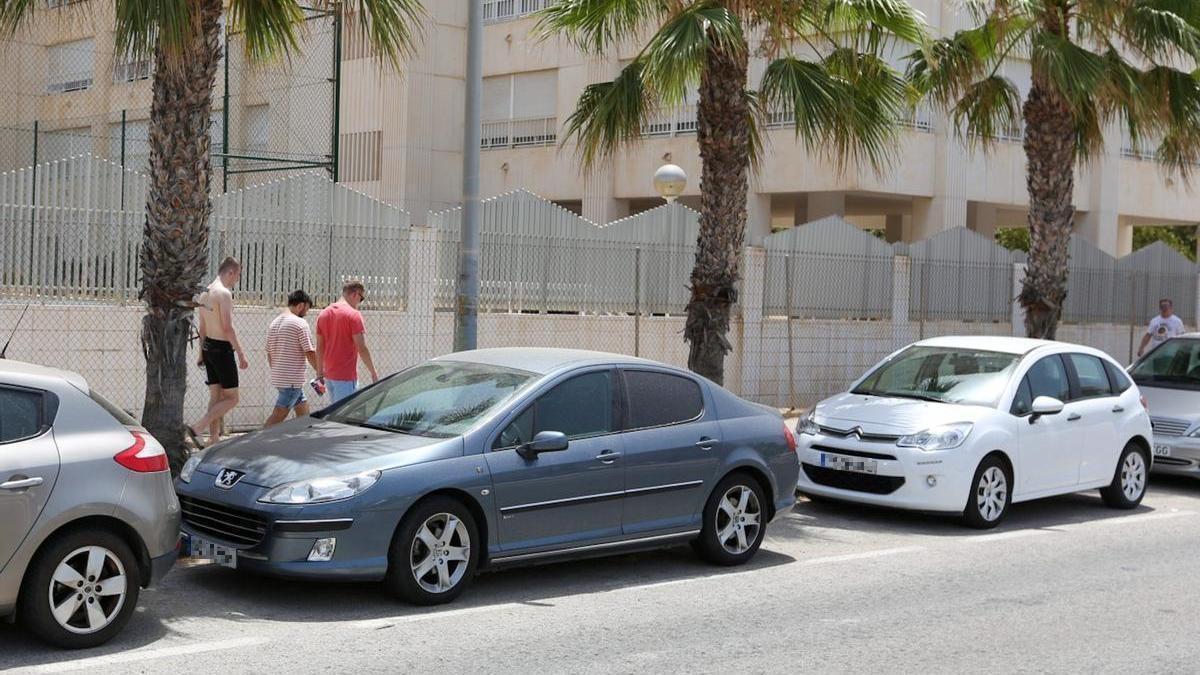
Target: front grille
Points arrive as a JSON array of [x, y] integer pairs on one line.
[[1166, 426], [855, 453], [851, 480], [221, 522], [857, 433]]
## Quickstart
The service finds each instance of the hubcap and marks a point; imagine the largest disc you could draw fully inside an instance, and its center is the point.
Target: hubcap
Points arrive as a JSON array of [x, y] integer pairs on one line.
[[1133, 475], [992, 494], [87, 590], [738, 518], [440, 553]]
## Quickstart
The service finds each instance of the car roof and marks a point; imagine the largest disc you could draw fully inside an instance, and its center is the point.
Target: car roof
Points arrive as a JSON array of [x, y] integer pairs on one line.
[[989, 343], [544, 360], [31, 374]]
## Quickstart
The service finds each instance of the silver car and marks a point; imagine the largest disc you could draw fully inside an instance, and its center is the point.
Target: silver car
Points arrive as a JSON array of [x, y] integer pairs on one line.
[[88, 515], [1169, 377]]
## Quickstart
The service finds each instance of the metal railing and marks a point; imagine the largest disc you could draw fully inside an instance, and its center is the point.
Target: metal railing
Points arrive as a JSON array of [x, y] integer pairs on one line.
[[497, 11], [519, 133]]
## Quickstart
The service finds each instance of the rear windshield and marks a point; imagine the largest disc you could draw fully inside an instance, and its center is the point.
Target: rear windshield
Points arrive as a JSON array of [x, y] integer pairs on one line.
[[440, 399], [121, 416], [1174, 364]]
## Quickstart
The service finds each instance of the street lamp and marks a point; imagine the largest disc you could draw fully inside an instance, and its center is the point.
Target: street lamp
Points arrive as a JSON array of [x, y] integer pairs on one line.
[[669, 182]]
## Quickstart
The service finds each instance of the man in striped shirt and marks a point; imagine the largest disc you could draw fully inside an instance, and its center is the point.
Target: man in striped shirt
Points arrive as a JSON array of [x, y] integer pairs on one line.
[[289, 345]]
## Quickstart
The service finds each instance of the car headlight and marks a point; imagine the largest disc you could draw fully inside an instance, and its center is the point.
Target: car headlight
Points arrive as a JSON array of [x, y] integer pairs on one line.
[[1195, 433], [189, 467], [321, 490], [808, 425], [942, 437]]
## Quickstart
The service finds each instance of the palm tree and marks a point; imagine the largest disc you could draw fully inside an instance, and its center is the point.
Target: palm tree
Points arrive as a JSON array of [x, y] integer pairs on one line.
[[1096, 64], [826, 72], [184, 38]]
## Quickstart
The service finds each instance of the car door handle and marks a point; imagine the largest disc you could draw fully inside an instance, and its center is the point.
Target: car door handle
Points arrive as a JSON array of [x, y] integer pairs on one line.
[[705, 443], [608, 457], [1118, 409], [21, 484], [1074, 416]]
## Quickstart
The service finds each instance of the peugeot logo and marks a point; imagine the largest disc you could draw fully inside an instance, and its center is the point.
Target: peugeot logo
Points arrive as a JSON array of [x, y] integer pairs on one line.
[[228, 478]]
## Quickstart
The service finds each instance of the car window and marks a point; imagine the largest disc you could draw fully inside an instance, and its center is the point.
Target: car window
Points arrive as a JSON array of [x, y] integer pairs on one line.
[[1023, 402], [1117, 378], [1089, 370], [658, 399], [579, 407], [1048, 377], [20, 414], [1174, 364]]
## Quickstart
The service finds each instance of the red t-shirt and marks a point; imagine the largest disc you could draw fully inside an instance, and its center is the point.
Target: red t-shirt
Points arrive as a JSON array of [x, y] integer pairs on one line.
[[337, 325]]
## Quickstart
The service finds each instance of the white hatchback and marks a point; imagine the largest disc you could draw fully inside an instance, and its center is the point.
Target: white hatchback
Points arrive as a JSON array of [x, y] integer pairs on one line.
[[970, 425]]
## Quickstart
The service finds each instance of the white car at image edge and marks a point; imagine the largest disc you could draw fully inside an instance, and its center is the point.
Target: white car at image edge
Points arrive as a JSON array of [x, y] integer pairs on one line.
[[971, 425]]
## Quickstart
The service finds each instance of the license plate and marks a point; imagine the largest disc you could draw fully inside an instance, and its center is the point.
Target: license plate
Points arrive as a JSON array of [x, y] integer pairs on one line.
[[1162, 451], [218, 553], [844, 463]]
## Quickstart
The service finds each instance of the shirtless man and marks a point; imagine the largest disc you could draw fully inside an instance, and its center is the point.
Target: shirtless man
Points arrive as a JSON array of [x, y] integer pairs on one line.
[[218, 346]]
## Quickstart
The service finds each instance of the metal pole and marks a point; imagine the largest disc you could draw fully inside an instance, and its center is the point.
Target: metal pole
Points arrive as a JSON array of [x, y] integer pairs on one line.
[[225, 124], [123, 160], [791, 347], [337, 90], [466, 306], [637, 301], [33, 204]]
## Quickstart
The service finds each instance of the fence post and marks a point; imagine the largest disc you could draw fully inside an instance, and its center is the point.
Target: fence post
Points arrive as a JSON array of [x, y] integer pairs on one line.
[[637, 301], [1133, 319], [1018, 320], [791, 345], [751, 307], [923, 299], [422, 281], [901, 292]]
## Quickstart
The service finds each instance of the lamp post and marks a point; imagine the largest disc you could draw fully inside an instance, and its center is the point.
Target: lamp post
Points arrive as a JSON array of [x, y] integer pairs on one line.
[[669, 182], [466, 297]]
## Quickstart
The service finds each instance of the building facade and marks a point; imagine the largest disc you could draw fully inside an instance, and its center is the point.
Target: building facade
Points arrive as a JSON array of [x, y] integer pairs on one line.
[[399, 134]]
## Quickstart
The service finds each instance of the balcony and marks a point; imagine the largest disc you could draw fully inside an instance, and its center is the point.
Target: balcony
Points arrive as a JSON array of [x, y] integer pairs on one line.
[[499, 11], [519, 133]]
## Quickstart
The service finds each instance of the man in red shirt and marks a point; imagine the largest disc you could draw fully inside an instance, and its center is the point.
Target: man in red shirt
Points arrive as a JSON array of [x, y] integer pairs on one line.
[[340, 343]]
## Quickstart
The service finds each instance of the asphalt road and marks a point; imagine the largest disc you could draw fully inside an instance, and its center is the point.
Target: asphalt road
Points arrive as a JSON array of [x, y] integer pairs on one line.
[[1065, 585]]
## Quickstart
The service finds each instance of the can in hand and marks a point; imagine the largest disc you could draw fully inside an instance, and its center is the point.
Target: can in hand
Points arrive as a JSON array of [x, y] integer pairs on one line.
[[318, 385]]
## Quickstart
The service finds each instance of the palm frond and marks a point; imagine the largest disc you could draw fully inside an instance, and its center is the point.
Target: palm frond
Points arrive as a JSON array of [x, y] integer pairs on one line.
[[1075, 72], [896, 17], [946, 68], [392, 27], [675, 56], [142, 24], [1175, 97], [610, 114], [987, 110], [1162, 29], [598, 25], [272, 27], [757, 111], [14, 13]]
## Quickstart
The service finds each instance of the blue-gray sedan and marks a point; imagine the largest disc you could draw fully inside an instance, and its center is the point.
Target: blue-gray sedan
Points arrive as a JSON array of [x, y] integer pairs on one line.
[[494, 457]]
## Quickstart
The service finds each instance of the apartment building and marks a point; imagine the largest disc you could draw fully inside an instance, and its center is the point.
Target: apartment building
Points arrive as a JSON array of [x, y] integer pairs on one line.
[[399, 134]]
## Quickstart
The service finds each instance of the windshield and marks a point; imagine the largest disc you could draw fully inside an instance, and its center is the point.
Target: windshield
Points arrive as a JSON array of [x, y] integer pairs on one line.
[[942, 374], [438, 399], [1175, 363]]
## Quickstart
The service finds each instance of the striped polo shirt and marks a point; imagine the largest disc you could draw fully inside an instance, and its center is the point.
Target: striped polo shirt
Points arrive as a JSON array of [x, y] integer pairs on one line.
[[288, 339]]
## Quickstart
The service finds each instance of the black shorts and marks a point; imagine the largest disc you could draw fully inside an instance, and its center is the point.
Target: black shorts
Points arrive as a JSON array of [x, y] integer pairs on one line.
[[220, 363]]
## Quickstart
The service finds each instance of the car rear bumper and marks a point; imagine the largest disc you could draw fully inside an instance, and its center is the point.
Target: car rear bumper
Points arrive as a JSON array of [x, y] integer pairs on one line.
[[161, 565]]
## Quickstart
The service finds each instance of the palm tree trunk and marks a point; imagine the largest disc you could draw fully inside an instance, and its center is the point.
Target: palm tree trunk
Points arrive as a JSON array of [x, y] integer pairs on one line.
[[1050, 179], [724, 141], [175, 235]]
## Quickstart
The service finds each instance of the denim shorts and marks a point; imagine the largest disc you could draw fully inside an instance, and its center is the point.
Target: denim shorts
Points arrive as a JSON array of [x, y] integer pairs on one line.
[[340, 389], [290, 397]]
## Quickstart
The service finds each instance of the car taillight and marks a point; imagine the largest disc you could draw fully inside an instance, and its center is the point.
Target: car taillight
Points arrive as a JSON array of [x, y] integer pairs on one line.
[[791, 438], [1145, 404], [142, 458]]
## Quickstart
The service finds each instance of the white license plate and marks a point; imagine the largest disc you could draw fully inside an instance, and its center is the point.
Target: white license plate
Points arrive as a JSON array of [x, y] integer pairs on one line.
[[844, 463], [218, 553], [1162, 451]]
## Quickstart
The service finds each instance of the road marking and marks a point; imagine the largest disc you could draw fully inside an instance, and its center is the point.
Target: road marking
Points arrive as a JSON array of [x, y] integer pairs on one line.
[[1141, 518], [1001, 536], [141, 655], [387, 622], [865, 555]]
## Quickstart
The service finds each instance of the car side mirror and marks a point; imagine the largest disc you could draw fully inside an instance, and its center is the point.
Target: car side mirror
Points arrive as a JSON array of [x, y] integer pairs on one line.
[[1045, 405], [544, 441]]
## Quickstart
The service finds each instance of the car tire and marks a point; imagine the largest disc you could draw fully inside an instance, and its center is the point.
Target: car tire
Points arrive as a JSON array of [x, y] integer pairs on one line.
[[1128, 485], [735, 521], [428, 565], [80, 590], [990, 496]]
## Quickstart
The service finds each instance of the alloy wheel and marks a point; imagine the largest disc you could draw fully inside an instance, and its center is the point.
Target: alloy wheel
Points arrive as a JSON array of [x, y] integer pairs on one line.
[[1133, 475], [87, 590], [441, 552], [992, 493], [738, 519]]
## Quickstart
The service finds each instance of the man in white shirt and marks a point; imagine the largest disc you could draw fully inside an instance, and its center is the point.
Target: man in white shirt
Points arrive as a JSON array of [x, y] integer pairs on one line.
[[1162, 327]]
